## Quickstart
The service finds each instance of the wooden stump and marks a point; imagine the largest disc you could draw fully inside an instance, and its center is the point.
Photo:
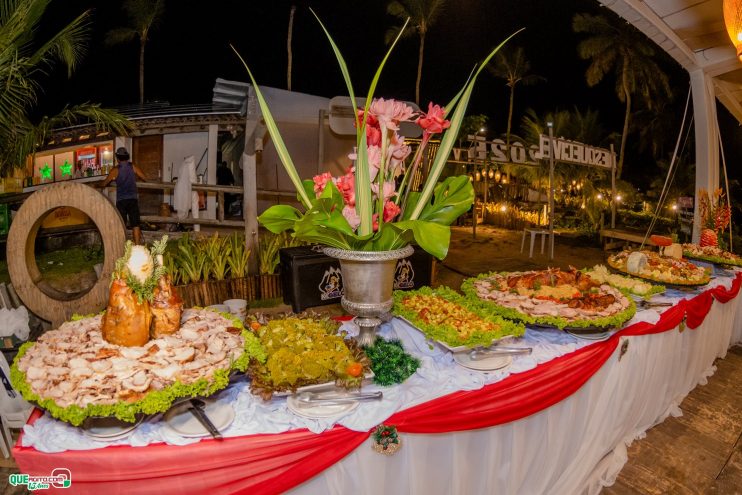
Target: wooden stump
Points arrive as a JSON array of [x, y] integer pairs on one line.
[[43, 300]]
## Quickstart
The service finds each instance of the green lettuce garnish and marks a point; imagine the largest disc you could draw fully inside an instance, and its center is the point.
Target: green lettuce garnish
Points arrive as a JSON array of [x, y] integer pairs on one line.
[[447, 333], [154, 402], [613, 321], [389, 362], [713, 259]]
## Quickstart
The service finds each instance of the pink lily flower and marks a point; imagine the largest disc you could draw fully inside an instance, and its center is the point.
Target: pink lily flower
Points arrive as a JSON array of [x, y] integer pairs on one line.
[[388, 190], [320, 182], [347, 187], [390, 113], [391, 210], [374, 160], [434, 121], [351, 215]]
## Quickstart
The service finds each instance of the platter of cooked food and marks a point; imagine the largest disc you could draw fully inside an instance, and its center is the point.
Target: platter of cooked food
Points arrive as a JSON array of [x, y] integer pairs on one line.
[[668, 270], [303, 352], [712, 254], [139, 356], [555, 298], [452, 320], [635, 286]]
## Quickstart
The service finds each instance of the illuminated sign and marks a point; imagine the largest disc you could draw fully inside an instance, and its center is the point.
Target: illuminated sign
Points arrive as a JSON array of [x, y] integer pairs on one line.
[[565, 151]]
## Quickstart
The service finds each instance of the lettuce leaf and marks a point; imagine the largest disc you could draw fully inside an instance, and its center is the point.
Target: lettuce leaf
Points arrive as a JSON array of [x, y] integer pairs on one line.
[[447, 333], [613, 321], [154, 402]]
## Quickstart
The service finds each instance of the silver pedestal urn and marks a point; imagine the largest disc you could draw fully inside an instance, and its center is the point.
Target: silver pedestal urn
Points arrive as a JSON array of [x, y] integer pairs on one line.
[[368, 282]]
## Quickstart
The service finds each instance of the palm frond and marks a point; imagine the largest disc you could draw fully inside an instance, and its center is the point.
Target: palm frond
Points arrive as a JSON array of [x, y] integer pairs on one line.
[[67, 46], [121, 35]]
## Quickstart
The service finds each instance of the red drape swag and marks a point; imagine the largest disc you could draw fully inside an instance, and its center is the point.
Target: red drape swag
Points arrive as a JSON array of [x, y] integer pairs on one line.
[[275, 463]]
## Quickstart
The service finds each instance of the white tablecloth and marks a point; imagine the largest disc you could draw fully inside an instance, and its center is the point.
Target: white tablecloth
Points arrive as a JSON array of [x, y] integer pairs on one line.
[[576, 446]]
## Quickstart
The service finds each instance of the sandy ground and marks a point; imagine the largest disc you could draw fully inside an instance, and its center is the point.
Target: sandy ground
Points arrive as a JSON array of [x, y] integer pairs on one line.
[[499, 250]]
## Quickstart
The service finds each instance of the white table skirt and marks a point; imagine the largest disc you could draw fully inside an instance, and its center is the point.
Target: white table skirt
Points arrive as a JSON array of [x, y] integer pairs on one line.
[[576, 446]]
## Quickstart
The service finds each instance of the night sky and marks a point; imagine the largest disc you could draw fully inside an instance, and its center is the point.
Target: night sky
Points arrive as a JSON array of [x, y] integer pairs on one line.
[[190, 49]]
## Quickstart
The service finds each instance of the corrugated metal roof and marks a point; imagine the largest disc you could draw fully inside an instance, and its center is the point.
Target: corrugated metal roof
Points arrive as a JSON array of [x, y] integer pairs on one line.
[[160, 110]]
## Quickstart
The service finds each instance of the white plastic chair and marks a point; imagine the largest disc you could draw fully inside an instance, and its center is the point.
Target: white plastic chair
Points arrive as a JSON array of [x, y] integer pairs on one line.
[[14, 411]]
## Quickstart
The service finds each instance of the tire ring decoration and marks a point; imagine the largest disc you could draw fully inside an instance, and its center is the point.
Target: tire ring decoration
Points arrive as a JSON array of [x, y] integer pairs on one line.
[[42, 299]]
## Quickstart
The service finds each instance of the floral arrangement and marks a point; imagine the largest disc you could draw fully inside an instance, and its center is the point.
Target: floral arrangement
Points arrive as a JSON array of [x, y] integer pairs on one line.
[[715, 216], [714, 210], [373, 207]]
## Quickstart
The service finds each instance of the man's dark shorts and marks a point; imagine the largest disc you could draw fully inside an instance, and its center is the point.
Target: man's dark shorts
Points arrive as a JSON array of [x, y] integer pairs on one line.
[[129, 209]]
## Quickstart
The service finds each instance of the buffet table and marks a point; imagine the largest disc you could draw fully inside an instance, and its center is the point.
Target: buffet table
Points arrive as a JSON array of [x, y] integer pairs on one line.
[[557, 424]]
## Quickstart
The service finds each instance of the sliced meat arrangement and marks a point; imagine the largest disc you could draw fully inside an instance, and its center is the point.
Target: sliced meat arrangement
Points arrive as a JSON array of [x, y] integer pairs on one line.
[[571, 295], [650, 265], [74, 365]]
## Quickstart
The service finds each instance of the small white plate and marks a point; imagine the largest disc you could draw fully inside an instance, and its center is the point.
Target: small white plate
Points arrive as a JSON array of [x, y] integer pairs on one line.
[[184, 423], [591, 336], [319, 410], [488, 364], [108, 429]]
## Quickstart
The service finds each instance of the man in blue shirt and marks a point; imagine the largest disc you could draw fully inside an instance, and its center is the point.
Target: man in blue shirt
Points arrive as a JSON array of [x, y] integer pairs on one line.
[[127, 200]]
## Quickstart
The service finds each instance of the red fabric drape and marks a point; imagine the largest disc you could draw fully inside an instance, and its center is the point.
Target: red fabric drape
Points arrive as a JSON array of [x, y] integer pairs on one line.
[[275, 463]]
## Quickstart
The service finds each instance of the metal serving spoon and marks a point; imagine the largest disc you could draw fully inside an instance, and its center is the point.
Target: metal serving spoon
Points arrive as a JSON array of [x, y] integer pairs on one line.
[[310, 397], [479, 354]]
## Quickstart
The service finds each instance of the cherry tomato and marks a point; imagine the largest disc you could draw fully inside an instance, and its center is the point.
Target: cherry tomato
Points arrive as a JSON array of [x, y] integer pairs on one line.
[[354, 369], [255, 326]]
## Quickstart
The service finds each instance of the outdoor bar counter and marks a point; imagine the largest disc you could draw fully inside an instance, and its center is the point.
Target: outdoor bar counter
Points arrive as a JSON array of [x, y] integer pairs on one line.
[[557, 421]]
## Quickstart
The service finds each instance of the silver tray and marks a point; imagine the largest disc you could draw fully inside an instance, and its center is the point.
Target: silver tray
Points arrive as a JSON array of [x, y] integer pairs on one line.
[[324, 387], [460, 348]]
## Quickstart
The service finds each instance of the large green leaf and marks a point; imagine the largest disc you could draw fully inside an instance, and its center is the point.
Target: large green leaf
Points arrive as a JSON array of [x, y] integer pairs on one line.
[[332, 193], [432, 237], [279, 218], [453, 197], [390, 237], [278, 143], [324, 223], [308, 185], [449, 137]]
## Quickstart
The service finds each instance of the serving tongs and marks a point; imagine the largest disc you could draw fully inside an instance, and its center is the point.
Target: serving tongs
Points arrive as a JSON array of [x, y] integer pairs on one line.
[[648, 304], [337, 399], [196, 407], [478, 353]]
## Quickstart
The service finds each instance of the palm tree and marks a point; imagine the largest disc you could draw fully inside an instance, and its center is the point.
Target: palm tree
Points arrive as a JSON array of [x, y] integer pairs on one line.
[[512, 66], [22, 59], [144, 16], [615, 46], [422, 15]]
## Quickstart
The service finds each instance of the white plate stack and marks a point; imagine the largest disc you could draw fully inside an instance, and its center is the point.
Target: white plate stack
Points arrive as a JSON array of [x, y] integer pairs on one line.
[[237, 307]]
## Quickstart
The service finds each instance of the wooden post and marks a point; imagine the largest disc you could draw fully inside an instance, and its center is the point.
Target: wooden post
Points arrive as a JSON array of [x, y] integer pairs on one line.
[[613, 188], [220, 211], [211, 165], [551, 191], [250, 193]]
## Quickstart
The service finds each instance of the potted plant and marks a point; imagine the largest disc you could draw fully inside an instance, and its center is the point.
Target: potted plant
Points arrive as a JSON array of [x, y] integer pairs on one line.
[[363, 218]]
